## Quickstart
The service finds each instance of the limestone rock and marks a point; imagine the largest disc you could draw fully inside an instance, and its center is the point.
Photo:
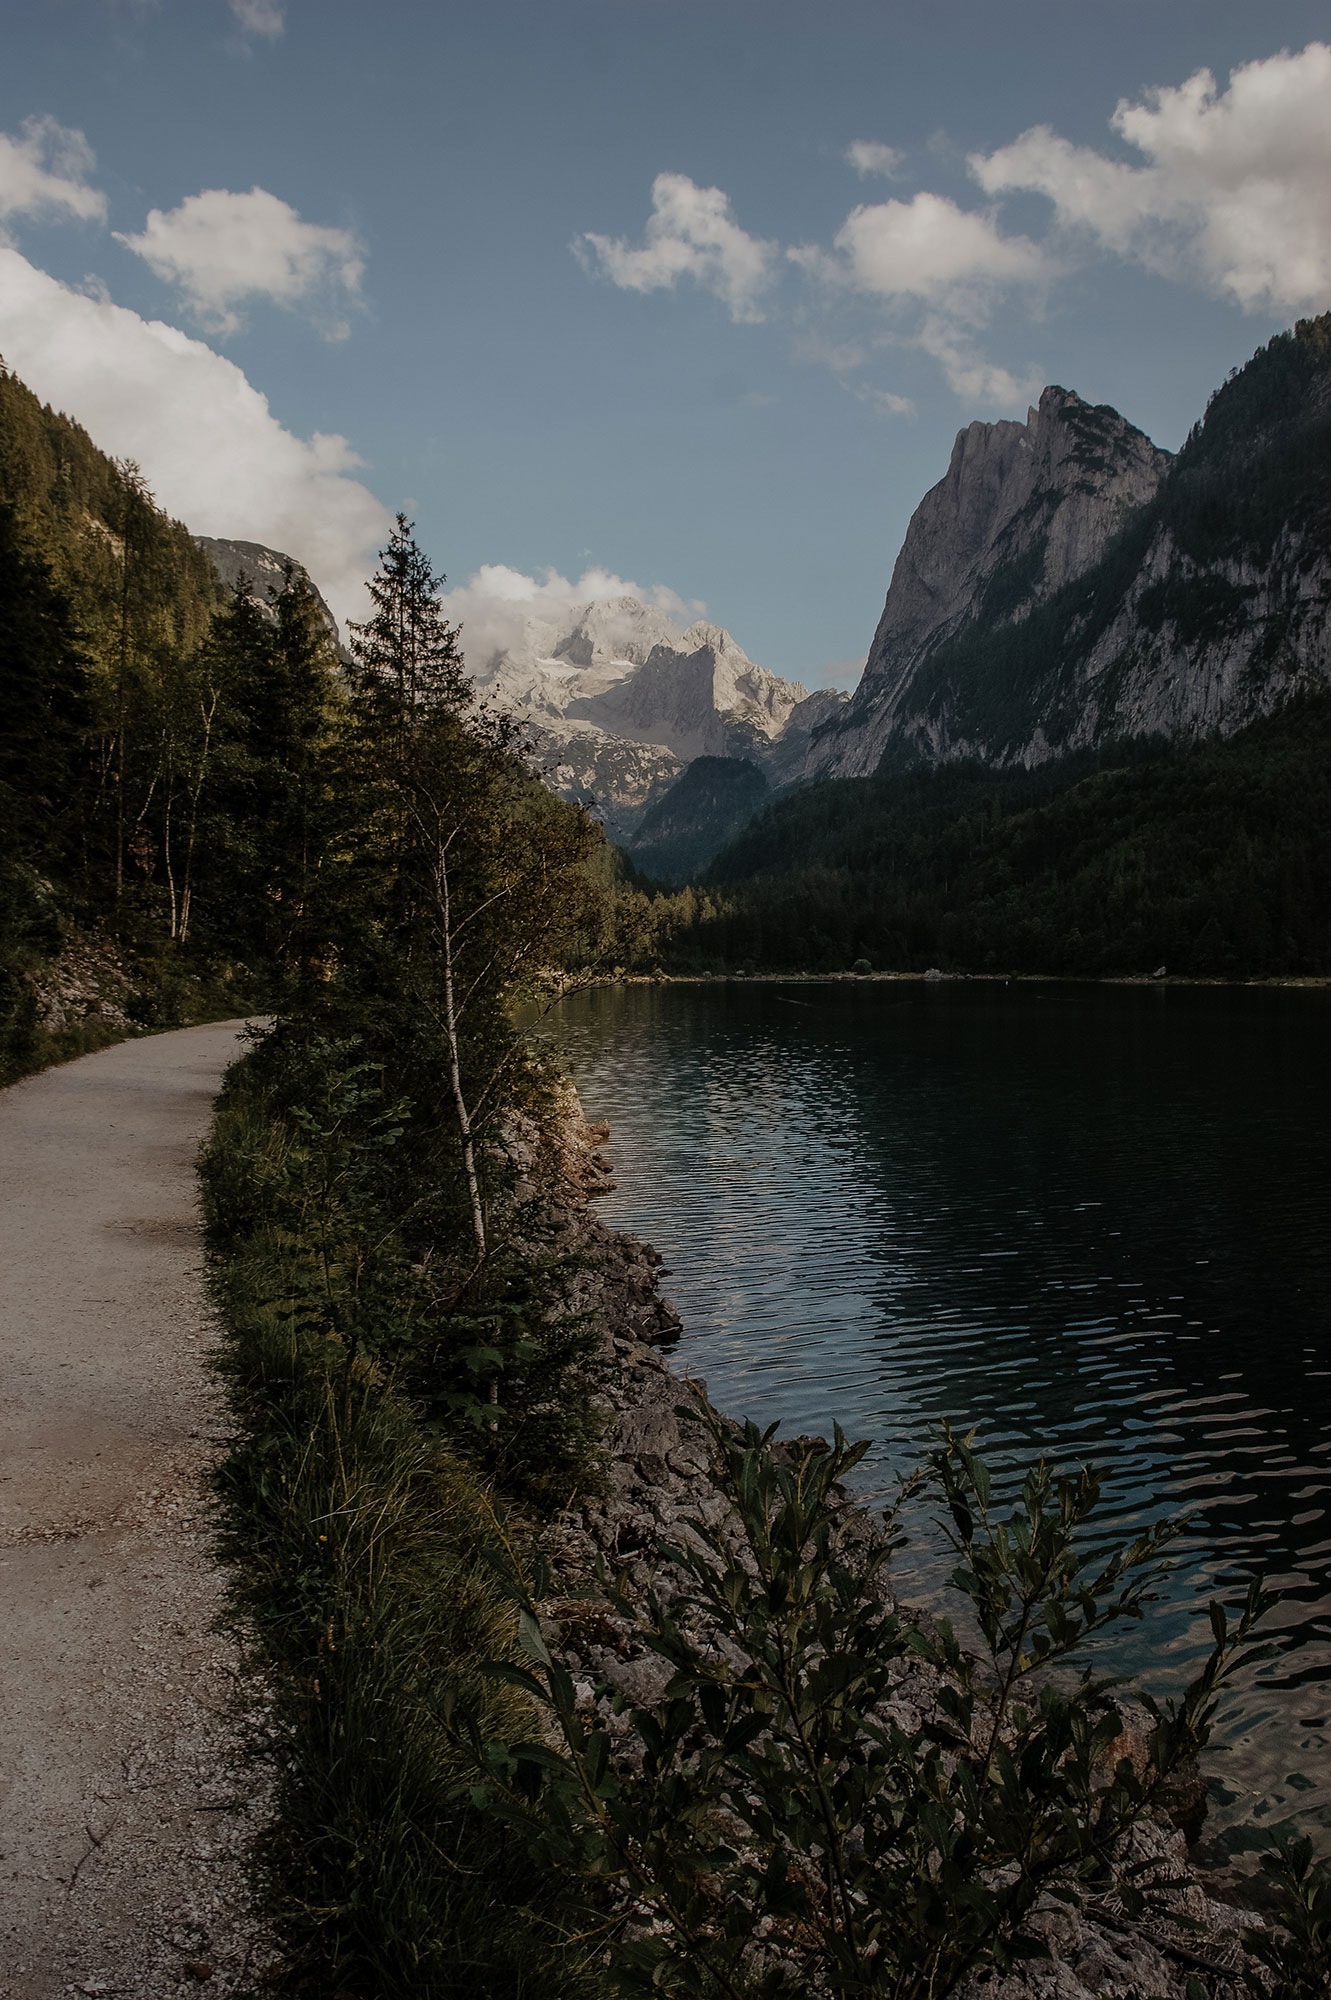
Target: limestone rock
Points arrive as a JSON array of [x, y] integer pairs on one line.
[[1068, 584], [619, 700], [260, 570], [1022, 510]]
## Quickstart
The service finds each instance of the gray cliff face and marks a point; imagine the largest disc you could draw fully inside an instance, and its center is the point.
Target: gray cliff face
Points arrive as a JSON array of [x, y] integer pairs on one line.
[[1067, 584], [1203, 648], [1023, 510], [618, 701], [260, 570]]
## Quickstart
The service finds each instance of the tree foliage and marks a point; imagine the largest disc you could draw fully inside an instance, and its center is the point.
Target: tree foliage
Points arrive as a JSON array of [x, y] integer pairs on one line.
[[1213, 860]]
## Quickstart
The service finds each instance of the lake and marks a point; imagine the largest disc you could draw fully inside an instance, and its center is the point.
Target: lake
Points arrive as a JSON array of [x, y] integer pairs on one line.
[[1093, 1222]]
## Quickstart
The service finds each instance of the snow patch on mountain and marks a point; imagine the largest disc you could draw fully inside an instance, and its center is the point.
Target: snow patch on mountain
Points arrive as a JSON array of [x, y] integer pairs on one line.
[[620, 695]]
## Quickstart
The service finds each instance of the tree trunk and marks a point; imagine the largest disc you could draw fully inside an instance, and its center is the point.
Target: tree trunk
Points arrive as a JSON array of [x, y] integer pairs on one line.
[[454, 1068]]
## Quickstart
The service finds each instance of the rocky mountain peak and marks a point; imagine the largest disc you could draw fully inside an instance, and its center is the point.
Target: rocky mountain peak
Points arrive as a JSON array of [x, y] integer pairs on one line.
[[1067, 584], [612, 631], [619, 700], [1022, 509], [260, 570]]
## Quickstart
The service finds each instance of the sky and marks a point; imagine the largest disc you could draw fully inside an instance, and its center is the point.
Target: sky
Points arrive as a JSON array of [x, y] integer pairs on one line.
[[685, 297]]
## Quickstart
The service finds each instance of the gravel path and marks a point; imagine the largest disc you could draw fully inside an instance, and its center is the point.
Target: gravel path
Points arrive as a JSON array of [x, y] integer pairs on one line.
[[125, 1809]]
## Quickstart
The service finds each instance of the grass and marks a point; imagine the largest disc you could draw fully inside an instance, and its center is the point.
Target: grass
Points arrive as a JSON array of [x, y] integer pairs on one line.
[[357, 1543]]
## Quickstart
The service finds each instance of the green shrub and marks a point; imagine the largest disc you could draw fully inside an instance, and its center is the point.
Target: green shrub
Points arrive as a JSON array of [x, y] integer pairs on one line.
[[793, 1826]]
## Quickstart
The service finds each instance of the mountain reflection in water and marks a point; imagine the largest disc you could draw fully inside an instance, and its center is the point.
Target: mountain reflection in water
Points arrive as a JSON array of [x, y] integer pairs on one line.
[[1093, 1222]]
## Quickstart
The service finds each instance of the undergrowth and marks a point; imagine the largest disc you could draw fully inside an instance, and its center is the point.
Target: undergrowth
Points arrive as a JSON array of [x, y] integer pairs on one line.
[[356, 1532], [452, 1816]]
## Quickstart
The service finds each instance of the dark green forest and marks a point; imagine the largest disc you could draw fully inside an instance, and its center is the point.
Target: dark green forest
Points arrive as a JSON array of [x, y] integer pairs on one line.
[[198, 812], [1213, 860]]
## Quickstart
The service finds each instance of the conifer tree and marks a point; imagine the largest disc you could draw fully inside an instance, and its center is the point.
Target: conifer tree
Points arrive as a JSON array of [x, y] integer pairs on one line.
[[483, 871], [407, 652]]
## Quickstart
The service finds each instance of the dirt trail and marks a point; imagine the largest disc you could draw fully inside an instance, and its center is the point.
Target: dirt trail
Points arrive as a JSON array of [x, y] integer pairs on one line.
[[124, 1813]]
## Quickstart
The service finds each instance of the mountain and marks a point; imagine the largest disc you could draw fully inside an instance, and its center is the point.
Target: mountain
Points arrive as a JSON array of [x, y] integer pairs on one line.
[[619, 701], [712, 802], [1068, 584], [261, 570], [134, 578]]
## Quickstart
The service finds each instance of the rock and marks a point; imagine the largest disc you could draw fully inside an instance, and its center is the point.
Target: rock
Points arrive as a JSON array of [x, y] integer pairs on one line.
[[1055, 589], [619, 701], [87, 982], [261, 570], [1022, 510]]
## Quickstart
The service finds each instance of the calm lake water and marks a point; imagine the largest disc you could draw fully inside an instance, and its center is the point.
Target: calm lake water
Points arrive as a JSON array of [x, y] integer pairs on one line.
[[1093, 1222]]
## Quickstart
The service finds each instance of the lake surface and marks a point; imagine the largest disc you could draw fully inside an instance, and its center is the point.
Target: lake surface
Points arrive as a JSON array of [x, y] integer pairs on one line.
[[1093, 1222]]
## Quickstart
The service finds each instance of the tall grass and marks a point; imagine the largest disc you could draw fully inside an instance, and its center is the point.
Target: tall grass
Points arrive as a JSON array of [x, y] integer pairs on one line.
[[356, 1540]]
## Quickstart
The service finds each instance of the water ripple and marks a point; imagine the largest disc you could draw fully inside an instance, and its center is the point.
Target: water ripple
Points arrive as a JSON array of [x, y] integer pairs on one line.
[[1090, 1222]]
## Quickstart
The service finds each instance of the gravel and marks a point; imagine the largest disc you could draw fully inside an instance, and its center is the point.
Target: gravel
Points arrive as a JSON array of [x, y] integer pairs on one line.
[[128, 1809]]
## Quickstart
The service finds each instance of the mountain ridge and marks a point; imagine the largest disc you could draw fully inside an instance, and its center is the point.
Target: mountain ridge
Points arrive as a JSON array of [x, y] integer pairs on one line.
[[1067, 583], [619, 700]]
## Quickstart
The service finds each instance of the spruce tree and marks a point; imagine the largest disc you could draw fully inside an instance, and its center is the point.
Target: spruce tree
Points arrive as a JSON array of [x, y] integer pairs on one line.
[[407, 652]]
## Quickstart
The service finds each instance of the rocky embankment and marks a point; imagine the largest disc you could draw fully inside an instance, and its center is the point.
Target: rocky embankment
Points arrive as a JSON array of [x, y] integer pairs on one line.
[[662, 1472]]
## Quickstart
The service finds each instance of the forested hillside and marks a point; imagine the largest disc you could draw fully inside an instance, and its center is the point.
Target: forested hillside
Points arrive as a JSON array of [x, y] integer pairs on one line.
[[192, 783], [1214, 861]]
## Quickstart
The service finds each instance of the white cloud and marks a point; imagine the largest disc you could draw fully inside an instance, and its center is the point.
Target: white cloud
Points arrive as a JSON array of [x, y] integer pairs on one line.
[[1236, 192], [884, 402], [496, 583], [44, 174], [940, 271], [870, 156], [260, 17], [498, 605], [926, 248], [967, 373], [220, 248], [208, 443], [691, 232]]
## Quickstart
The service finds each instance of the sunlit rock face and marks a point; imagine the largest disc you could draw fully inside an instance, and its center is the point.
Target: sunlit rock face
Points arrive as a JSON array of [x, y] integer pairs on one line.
[[1023, 510], [619, 699], [1068, 584]]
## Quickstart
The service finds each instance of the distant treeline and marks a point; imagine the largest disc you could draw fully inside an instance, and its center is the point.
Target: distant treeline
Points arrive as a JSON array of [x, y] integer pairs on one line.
[[1213, 860]]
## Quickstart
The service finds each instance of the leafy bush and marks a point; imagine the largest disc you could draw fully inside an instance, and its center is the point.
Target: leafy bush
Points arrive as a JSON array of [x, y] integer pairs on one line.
[[802, 1818]]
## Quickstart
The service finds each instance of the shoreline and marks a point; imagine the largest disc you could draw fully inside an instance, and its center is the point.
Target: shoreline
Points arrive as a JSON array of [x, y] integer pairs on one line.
[[657, 1477], [1309, 982]]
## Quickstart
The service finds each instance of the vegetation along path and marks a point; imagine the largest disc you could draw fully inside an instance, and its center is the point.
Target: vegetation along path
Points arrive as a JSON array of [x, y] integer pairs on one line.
[[125, 1810]]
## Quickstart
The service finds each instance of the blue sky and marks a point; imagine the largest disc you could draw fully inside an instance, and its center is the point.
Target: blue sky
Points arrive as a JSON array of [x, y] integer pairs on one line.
[[691, 293]]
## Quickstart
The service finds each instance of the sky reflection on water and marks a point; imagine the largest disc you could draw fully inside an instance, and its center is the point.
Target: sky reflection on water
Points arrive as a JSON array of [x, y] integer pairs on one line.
[[1089, 1221]]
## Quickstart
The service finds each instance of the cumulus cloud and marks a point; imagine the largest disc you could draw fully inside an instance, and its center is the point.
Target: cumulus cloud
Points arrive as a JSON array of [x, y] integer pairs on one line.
[[870, 156], [44, 175], [691, 232], [937, 269], [968, 373], [208, 443], [926, 248], [266, 18], [940, 271], [1235, 192], [220, 249], [499, 607]]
